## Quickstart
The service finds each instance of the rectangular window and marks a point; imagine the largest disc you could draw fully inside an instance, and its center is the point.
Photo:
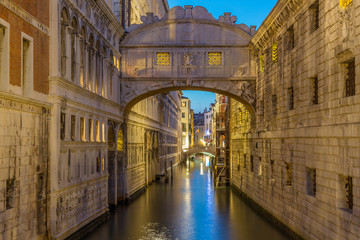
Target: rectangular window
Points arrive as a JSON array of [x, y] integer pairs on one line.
[[10, 193], [82, 129], [184, 127], [244, 160], [291, 38], [288, 174], [345, 3], [72, 127], [272, 169], [183, 104], [314, 13], [91, 130], [103, 164], [4, 56], [98, 164], [274, 52], [183, 115], [350, 78], [103, 131], [27, 65], [311, 181], [315, 90], [214, 58], [251, 163], [291, 98], [62, 125], [349, 192], [262, 63], [97, 131], [274, 104], [163, 58]]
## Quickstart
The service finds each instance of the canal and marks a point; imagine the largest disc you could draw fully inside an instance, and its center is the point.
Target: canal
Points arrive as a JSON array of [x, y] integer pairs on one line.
[[187, 208]]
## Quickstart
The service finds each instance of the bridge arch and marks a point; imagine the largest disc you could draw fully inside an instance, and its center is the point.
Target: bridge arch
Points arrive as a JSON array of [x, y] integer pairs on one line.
[[188, 49]]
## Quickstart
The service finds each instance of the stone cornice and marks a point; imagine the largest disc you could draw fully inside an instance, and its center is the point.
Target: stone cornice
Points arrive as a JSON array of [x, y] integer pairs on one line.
[[274, 22]]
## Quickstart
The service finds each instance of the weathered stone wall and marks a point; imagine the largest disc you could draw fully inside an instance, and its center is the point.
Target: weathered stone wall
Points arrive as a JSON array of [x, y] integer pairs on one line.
[[23, 168], [304, 146]]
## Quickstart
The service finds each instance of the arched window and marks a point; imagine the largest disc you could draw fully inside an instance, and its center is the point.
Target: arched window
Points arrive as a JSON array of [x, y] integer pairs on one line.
[[74, 63], [82, 57], [63, 39], [91, 63]]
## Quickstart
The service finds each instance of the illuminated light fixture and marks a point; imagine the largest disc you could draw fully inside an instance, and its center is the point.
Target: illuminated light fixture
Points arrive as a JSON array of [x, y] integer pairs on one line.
[[274, 52], [345, 3], [208, 132], [262, 63]]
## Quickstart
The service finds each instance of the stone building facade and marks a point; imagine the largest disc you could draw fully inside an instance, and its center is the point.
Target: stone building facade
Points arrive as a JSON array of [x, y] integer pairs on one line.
[[24, 121], [299, 158]]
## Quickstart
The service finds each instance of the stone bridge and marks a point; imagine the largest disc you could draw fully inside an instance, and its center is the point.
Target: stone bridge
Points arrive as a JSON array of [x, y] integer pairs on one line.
[[201, 149], [188, 49]]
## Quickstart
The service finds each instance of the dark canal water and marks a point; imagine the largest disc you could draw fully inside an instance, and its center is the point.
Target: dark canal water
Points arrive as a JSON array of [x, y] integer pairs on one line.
[[187, 208]]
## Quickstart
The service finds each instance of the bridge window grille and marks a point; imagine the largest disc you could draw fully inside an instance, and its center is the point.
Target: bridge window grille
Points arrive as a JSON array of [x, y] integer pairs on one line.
[[214, 58], [291, 98], [289, 177], [350, 78], [314, 10], [311, 181], [163, 58], [274, 52], [262, 63], [62, 125], [345, 3], [315, 90], [73, 127]]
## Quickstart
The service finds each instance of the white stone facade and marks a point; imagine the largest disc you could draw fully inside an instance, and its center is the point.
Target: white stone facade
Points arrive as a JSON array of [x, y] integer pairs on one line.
[[300, 159]]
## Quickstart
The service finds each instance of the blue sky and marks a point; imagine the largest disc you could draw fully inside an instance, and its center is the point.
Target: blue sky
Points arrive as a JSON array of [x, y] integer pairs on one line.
[[247, 12]]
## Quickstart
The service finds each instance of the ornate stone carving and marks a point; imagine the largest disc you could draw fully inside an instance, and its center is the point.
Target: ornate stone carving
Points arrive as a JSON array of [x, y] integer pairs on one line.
[[242, 70], [346, 25], [227, 19]]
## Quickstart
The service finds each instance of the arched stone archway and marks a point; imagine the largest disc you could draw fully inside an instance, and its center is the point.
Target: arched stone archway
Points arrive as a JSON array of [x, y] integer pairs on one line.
[[188, 49]]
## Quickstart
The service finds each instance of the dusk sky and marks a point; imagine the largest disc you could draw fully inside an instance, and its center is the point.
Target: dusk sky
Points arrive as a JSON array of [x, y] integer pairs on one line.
[[247, 12]]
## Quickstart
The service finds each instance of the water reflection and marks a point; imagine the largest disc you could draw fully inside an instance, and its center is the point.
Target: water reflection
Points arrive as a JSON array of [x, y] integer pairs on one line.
[[188, 209]]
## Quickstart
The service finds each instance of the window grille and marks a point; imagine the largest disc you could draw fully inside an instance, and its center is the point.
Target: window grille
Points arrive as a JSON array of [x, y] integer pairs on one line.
[[311, 181], [62, 126], [274, 104], [163, 58], [314, 9], [251, 163], [349, 192], [262, 63], [350, 78], [289, 174], [214, 58], [274, 52], [315, 90], [291, 98], [345, 3]]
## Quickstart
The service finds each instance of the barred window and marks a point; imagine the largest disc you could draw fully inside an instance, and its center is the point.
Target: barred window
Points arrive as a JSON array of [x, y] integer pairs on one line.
[[251, 163], [274, 104], [291, 98], [291, 38], [262, 63], [274, 52], [214, 58], [349, 192], [311, 181], [288, 174], [315, 90], [345, 3], [314, 11], [163, 58], [350, 78]]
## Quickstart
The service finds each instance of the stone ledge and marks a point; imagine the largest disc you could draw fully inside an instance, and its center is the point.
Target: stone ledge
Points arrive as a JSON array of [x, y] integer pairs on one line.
[[267, 215]]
